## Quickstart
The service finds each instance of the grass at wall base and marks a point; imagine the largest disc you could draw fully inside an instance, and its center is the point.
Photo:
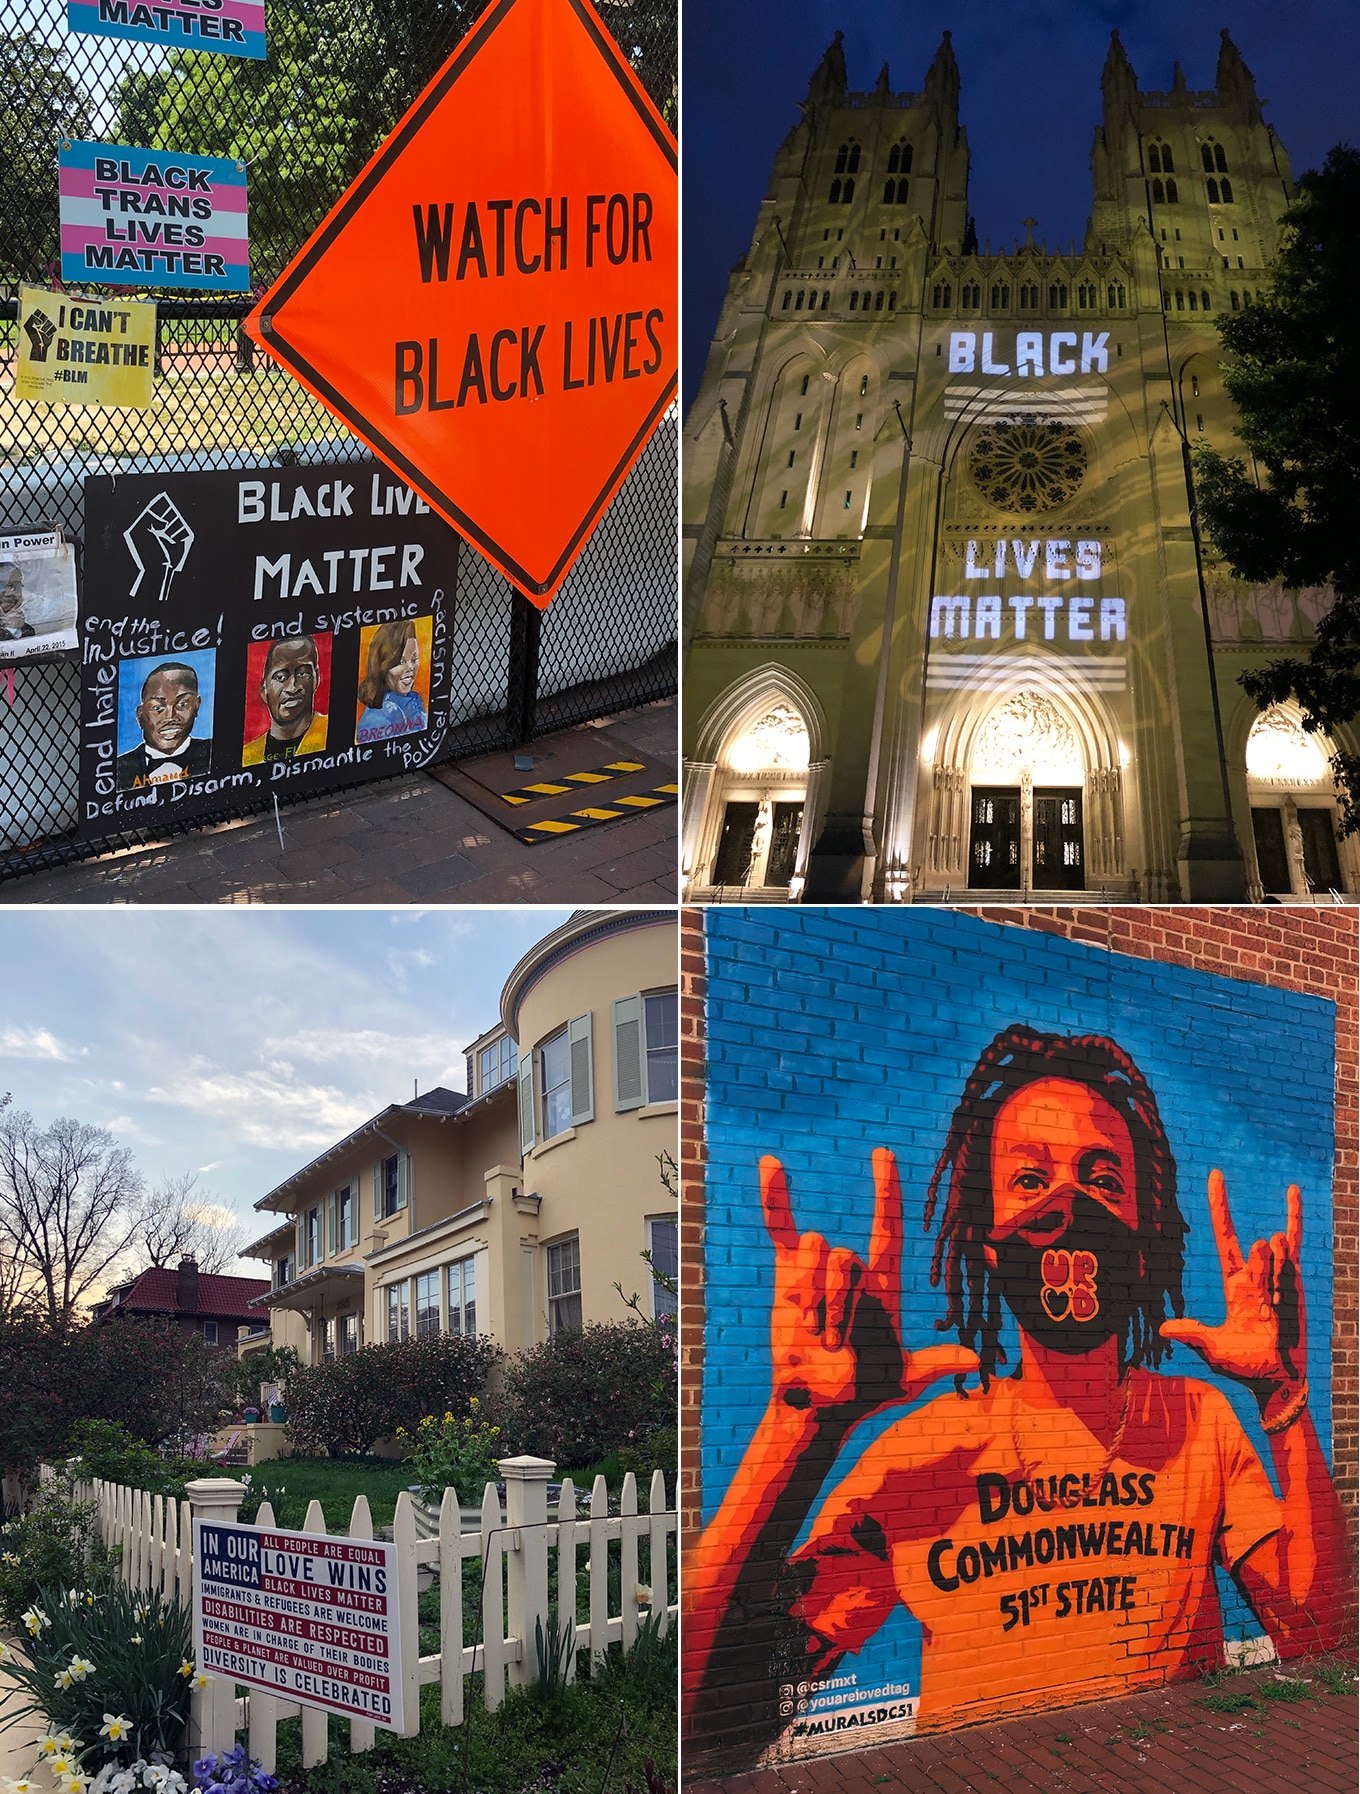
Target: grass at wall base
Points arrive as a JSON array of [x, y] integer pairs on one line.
[[594, 1736]]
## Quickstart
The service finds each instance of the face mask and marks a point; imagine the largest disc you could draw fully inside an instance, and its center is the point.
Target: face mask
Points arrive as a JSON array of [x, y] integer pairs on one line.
[[1080, 1289]]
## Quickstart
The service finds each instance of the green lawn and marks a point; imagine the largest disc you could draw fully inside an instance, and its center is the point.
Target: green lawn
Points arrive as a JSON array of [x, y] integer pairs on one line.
[[335, 1482]]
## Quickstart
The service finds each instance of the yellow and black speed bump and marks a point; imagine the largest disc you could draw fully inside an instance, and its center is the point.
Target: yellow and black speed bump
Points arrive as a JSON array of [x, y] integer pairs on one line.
[[569, 781], [593, 815]]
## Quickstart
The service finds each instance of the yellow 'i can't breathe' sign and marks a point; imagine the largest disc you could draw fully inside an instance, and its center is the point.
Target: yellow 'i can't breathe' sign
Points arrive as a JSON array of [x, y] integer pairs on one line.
[[78, 350]]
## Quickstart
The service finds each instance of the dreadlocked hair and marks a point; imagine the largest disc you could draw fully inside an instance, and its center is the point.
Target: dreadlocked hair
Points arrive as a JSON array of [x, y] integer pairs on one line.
[[1018, 1056]]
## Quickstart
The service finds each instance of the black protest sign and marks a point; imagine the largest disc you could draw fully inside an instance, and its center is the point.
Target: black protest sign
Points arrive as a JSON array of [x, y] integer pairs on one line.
[[261, 630]]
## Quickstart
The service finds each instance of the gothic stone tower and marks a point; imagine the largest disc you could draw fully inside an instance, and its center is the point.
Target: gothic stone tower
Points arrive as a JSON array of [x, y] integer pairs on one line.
[[949, 625]]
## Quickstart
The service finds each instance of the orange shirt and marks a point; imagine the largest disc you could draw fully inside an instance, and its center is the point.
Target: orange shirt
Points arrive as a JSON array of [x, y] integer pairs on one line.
[[1039, 1574]]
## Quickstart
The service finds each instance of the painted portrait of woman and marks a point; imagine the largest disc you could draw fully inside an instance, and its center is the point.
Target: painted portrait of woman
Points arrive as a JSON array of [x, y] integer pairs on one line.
[[392, 691]]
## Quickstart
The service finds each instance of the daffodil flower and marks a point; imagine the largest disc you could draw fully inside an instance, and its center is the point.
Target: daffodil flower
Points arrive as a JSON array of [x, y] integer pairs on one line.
[[35, 1619], [115, 1727], [186, 1668], [61, 1678], [199, 1681], [80, 1668]]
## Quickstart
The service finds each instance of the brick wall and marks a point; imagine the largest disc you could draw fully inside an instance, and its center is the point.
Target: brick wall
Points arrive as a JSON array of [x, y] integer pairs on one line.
[[804, 996]]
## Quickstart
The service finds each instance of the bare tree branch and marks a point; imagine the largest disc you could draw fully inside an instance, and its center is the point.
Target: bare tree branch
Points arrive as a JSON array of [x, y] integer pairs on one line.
[[68, 1208], [178, 1221]]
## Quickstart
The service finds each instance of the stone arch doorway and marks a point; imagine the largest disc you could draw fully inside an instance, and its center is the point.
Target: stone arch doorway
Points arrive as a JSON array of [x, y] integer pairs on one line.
[[1294, 820], [1027, 794], [751, 792]]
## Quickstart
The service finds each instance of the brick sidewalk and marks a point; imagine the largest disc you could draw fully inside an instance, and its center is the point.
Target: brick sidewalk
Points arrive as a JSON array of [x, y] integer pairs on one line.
[[1166, 1741], [406, 840]]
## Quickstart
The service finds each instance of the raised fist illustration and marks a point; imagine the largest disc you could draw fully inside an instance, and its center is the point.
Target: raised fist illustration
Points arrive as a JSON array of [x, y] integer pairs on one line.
[[158, 540], [40, 330]]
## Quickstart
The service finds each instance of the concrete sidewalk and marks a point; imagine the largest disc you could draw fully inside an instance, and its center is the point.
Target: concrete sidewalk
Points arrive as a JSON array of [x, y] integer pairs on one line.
[[407, 840], [1167, 1741]]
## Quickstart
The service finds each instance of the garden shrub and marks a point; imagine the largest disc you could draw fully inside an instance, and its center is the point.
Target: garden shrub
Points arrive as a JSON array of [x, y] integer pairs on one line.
[[349, 1405], [455, 1454], [580, 1397], [55, 1544]]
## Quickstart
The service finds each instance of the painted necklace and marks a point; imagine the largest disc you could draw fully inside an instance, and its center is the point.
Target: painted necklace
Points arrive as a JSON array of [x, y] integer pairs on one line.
[[1115, 1442]]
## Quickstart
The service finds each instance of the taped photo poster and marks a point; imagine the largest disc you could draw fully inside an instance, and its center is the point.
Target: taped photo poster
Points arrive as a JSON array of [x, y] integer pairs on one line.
[[37, 594], [260, 630]]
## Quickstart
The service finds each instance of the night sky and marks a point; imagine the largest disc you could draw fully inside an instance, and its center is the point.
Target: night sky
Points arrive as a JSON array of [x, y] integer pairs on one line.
[[1030, 99]]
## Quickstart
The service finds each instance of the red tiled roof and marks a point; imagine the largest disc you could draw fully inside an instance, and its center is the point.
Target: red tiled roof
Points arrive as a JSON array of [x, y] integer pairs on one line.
[[219, 1298]]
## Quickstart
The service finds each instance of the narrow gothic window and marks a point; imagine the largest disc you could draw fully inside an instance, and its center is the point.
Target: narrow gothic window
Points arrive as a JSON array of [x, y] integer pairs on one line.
[[892, 301], [1225, 187], [826, 298], [1194, 386], [834, 198], [1232, 300], [1158, 193], [1220, 160], [935, 296], [854, 301], [899, 159], [798, 421], [787, 297], [863, 385], [1166, 302], [804, 386], [948, 294], [1154, 159], [1171, 195], [1001, 297], [798, 303], [847, 501], [1204, 301], [791, 454], [901, 193], [878, 300], [1207, 156], [1194, 300], [854, 458], [1167, 164], [847, 193], [888, 192], [1213, 192], [1180, 300], [783, 500], [1057, 298]]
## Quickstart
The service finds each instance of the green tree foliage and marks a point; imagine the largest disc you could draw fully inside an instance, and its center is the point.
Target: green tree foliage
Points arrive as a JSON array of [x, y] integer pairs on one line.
[[1294, 374], [579, 1397], [40, 104], [338, 76], [348, 1405]]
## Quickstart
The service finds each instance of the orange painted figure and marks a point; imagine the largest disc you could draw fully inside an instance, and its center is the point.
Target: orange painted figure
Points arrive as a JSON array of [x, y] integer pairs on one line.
[[1055, 1531]]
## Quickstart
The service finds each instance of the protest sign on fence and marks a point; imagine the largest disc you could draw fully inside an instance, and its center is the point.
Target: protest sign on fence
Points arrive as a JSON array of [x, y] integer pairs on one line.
[[282, 629], [230, 27], [153, 218], [310, 1618], [75, 349]]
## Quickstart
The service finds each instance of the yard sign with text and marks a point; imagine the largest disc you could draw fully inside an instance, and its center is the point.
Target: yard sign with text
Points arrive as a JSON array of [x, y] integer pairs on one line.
[[491, 306], [300, 1615]]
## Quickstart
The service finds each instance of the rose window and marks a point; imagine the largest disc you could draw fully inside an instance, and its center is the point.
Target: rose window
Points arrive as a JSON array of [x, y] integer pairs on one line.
[[1027, 465]]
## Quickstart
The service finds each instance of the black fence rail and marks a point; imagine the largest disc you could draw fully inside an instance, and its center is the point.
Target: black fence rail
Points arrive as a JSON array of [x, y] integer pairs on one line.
[[338, 75]]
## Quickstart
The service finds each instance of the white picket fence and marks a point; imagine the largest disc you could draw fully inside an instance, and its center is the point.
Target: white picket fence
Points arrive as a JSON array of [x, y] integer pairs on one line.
[[154, 1536]]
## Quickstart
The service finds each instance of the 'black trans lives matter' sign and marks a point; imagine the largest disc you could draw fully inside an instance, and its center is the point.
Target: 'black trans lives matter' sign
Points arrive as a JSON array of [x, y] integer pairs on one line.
[[262, 630]]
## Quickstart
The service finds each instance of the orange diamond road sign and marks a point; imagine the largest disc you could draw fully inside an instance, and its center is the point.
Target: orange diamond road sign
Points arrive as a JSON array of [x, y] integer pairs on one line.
[[492, 305]]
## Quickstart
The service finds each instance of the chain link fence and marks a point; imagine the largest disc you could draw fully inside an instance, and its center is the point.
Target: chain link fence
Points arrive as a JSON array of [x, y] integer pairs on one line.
[[338, 75]]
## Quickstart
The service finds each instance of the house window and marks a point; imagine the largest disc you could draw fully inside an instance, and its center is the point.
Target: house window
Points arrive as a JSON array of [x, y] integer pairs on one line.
[[663, 1038], [427, 1305], [398, 1312], [326, 1340], [500, 1061], [314, 1235], [555, 1064], [389, 1172], [284, 1271], [349, 1335], [462, 1297], [663, 1243], [564, 1286], [344, 1218], [210, 1332]]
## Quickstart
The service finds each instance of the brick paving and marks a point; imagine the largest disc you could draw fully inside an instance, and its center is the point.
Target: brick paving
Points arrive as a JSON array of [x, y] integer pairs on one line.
[[407, 840], [1165, 1741]]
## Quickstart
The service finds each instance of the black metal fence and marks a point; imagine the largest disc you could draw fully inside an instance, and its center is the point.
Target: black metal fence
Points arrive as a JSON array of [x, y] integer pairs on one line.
[[338, 75]]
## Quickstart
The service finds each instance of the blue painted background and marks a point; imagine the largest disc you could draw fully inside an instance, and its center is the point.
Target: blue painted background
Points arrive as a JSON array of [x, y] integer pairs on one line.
[[833, 1031], [133, 674]]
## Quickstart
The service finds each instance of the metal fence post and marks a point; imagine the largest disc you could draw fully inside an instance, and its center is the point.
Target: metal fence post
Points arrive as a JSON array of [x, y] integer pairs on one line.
[[212, 1710], [521, 688], [526, 1511]]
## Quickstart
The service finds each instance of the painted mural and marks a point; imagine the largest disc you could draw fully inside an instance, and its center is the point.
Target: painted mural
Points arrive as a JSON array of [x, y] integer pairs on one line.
[[1018, 1286]]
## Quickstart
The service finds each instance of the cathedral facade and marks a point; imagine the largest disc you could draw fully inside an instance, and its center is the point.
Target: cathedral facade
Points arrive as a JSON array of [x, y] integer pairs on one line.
[[951, 625]]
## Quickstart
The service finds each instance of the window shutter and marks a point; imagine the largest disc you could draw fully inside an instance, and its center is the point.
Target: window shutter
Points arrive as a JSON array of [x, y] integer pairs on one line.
[[332, 1238], [403, 1163], [526, 1104], [582, 1069], [377, 1191], [300, 1255], [629, 1090]]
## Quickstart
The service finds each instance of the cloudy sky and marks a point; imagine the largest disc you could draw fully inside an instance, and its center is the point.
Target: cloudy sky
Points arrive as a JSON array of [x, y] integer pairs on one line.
[[237, 1043], [1030, 99]]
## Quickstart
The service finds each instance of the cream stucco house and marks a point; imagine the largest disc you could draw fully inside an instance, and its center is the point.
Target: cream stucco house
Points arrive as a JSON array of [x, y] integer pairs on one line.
[[510, 1209]]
